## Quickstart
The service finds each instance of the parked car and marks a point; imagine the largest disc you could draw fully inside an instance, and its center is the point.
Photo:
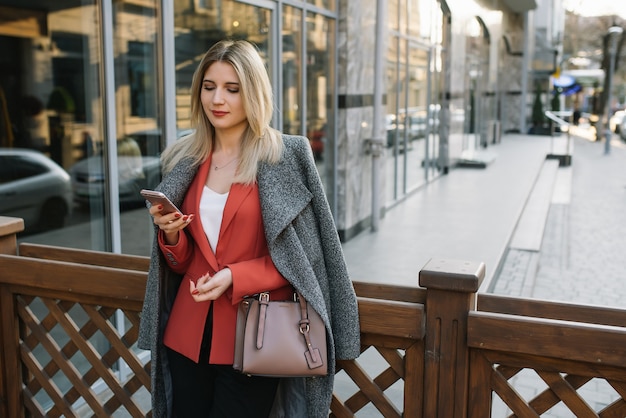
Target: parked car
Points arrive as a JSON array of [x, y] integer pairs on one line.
[[622, 129], [615, 121], [317, 139], [34, 188], [138, 167], [417, 125], [417, 122]]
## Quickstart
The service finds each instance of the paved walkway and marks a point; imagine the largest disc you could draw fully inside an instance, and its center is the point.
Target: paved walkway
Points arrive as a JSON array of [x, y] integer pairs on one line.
[[581, 258], [543, 231], [469, 214]]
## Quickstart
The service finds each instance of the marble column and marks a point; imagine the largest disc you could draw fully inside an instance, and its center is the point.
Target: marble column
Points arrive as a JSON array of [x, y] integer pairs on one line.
[[356, 51]]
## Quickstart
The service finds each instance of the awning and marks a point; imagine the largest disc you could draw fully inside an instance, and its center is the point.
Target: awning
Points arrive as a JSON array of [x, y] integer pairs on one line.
[[586, 77], [520, 6], [515, 6], [564, 81]]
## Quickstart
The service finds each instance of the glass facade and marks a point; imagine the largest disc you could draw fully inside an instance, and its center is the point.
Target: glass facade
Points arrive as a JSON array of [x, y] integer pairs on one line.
[[81, 109]]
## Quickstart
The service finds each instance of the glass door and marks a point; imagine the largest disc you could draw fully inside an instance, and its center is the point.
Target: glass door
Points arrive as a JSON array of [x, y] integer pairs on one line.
[[411, 120]]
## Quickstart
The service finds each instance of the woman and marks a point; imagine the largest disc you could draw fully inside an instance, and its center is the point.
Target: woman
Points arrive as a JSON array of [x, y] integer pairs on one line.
[[254, 218]]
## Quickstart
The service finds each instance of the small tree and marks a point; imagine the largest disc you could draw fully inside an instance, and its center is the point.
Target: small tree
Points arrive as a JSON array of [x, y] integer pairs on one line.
[[555, 105], [538, 115], [556, 100]]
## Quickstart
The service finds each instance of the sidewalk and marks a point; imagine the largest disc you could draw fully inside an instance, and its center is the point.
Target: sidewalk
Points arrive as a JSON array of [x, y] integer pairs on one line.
[[543, 231], [469, 214]]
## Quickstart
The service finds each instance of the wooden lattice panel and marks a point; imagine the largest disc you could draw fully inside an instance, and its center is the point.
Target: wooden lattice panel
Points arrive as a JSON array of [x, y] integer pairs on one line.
[[389, 367], [562, 381], [76, 363]]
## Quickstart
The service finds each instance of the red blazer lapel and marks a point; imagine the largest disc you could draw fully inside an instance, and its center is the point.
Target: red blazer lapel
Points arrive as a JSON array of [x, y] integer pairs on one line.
[[192, 205], [238, 193]]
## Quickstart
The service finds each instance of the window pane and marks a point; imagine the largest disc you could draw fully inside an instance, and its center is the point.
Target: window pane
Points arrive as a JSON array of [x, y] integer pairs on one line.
[[138, 138], [292, 71], [421, 119], [206, 22], [393, 14], [325, 4], [319, 103], [50, 108]]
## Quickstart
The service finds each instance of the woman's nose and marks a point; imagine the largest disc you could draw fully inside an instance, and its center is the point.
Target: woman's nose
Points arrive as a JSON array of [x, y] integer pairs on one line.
[[218, 97]]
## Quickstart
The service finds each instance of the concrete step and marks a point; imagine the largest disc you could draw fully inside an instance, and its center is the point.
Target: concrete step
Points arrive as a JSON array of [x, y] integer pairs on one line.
[[531, 224]]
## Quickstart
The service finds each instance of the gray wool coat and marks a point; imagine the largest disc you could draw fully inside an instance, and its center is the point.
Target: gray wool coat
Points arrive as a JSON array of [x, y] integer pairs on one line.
[[305, 248]]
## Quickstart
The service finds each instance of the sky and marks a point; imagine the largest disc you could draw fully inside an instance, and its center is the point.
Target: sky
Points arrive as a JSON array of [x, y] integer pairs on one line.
[[597, 7]]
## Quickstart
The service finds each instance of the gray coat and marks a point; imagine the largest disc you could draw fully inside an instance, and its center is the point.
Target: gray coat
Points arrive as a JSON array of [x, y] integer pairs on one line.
[[305, 248]]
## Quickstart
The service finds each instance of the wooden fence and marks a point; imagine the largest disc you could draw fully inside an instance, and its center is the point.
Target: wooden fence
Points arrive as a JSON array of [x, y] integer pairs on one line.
[[70, 319]]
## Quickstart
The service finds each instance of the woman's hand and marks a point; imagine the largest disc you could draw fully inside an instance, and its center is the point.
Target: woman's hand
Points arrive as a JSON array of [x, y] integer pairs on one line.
[[211, 288], [171, 224]]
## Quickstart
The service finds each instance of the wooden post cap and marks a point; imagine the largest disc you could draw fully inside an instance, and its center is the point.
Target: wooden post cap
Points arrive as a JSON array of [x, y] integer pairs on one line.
[[10, 226], [455, 275]]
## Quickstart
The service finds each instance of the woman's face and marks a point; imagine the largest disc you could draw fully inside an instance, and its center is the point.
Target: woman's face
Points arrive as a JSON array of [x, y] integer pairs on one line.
[[221, 99]]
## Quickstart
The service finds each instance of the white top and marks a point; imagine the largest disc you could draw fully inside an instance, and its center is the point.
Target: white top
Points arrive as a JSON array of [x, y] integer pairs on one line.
[[211, 213]]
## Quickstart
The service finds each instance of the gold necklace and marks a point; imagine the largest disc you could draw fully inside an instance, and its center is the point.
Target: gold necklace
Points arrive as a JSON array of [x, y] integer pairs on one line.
[[215, 167]]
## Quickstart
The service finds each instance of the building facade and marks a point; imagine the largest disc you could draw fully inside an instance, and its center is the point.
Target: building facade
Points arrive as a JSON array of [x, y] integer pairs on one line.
[[99, 88]]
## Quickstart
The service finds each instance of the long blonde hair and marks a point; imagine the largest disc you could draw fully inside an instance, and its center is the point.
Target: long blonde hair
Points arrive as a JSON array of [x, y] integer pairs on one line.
[[260, 142]]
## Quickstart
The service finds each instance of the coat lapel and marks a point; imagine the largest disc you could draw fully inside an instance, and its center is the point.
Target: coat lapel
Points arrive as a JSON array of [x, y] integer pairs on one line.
[[176, 183], [283, 196]]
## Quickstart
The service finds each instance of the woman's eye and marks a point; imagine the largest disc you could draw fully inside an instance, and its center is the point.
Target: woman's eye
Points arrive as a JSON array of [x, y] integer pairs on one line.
[[233, 90], [209, 88]]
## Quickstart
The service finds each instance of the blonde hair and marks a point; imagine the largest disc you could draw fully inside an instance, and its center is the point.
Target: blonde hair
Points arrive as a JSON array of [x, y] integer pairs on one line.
[[260, 142]]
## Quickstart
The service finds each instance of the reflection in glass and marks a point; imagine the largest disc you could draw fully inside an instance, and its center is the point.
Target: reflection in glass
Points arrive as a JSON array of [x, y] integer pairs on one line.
[[199, 26], [50, 108], [34, 188], [320, 79], [325, 4], [292, 58], [421, 118], [412, 115], [393, 15]]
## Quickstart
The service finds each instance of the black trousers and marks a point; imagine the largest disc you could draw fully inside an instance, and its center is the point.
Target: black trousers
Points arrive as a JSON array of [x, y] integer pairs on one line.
[[217, 391]]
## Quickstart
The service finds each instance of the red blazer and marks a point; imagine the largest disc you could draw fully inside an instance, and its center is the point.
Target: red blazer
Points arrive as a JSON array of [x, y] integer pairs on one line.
[[241, 247]]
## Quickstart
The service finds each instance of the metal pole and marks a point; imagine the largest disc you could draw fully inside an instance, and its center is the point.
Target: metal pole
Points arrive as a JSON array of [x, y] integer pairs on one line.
[[110, 128], [614, 32], [167, 66], [525, 74], [376, 143]]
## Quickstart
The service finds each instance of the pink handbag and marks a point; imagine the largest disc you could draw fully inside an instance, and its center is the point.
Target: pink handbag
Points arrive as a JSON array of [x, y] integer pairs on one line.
[[280, 338]]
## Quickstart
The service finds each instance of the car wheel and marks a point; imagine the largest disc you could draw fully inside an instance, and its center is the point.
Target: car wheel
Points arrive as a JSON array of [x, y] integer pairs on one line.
[[53, 214]]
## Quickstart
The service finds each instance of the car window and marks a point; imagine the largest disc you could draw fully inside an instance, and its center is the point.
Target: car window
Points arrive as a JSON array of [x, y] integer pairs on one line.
[[149, 144], [16, 167]]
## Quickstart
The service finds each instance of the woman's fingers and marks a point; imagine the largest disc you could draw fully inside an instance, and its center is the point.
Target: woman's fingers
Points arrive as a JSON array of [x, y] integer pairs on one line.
[[170, 222], [207, 287]]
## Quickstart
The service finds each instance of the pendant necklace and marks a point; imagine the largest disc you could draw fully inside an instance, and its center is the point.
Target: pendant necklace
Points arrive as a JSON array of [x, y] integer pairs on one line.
[[225, 165]]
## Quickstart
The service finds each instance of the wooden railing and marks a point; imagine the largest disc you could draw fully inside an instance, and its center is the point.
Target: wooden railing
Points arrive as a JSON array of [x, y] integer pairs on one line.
[[70, 319]]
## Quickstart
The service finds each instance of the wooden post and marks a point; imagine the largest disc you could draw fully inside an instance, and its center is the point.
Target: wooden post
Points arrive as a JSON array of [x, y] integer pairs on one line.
[[9, 227], [451, 293]]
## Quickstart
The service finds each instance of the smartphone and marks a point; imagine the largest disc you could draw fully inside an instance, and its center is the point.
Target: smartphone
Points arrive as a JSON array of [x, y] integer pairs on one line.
[[158, 198]]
